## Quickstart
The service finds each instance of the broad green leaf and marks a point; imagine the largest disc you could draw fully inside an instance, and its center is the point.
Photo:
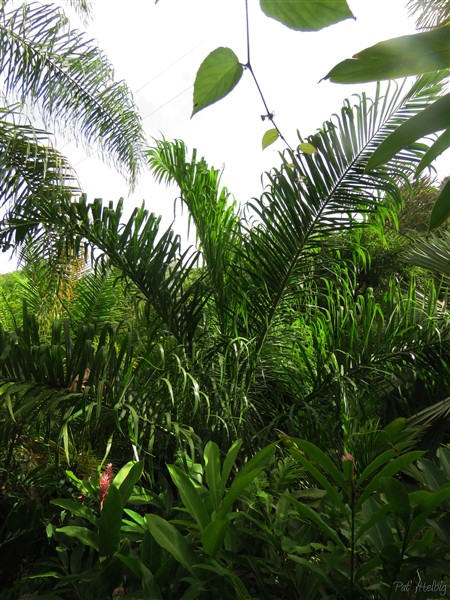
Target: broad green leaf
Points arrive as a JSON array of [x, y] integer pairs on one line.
[[218, 74], [395, 58], [379, 461], [240, 483], [126, 479], [315, 518], [307, 148], [269, 138], [378, 516], [213, 536], [110, 523], [190, 496], [307, 16], [228, 463], [171, 540], [439, 146], [441, 208], [322, 459], [397, 497], [76, 508], [431, 119], [388, 470], [321, 478], [212, 472], [85, 535], [260, 459]]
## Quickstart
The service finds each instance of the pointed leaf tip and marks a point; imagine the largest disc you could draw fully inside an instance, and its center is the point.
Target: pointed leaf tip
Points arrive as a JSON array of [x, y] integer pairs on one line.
[[269, 138], [217, 76]]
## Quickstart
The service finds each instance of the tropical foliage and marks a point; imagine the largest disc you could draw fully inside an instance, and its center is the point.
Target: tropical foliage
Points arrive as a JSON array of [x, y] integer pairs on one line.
[[262, 415]]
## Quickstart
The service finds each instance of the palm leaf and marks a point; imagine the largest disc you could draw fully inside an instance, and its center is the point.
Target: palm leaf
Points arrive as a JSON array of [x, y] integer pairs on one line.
[[46, 62], [314, 196]]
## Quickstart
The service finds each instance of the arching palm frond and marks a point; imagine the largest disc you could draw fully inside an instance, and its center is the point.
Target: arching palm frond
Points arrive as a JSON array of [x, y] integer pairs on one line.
[[153, 261], [433, 254], [30, 166], [313, 197], [214, 214], [44, 62]]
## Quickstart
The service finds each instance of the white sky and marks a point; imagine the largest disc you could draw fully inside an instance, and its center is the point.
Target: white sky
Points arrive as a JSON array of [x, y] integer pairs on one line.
[[157, 49]]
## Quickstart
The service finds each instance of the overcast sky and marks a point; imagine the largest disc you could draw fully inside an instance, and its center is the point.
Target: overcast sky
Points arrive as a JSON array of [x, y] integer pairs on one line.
[[157, 49]]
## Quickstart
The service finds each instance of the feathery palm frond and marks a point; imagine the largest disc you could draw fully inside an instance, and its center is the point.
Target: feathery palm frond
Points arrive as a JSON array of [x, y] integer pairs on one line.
[[433, 254], [314, 196], [29, 165], [214, 214], [43, 61]]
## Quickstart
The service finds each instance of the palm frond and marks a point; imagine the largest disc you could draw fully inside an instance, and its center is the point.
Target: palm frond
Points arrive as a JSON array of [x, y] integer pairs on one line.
[[44, 62], [433, 254], [214, 214], [314, 196]]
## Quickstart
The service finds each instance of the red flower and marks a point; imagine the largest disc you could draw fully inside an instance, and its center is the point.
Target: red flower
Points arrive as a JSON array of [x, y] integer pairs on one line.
[[105, 482]]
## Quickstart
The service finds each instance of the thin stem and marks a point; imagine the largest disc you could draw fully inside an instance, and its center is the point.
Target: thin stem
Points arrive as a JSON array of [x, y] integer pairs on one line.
[[269, 115]]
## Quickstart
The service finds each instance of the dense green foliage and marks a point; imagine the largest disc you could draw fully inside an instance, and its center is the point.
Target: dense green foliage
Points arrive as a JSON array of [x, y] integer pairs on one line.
[[262, 415]]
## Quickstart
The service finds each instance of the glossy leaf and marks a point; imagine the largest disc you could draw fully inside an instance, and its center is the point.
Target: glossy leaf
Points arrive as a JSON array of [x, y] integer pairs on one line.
[[228, 463], [217, 76], [439, 146], [241, 482], [127, 478], [110, 523], [171, 540], [388, 470], [395, 58], [307, 16], [75, 508], [190, 496], [85, 535], [270, 137], [212, 471], [431, 119], [441, 208], [213, 536]]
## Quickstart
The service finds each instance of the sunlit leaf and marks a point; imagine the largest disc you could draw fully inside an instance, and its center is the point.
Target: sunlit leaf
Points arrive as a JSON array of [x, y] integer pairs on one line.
[[307, 148], [307, 16], [269, 138], [218, 74], [398, 57], [441, 208], [435, 150], [431, 119]]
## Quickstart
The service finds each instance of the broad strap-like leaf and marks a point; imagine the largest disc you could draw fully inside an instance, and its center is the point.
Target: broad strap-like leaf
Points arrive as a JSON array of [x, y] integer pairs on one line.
[[399, 57], [431, 119]]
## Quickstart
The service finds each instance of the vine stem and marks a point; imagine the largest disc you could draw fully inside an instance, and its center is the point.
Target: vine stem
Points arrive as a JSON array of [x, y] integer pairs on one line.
[[269, 115]]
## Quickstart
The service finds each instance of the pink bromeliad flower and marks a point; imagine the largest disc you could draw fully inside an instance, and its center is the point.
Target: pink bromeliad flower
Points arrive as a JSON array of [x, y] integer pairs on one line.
[[105, 482]]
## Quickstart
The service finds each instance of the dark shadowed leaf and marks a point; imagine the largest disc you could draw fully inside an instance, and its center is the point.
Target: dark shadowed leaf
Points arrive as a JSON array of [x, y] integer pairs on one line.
[[307, 16], [218, 74]]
